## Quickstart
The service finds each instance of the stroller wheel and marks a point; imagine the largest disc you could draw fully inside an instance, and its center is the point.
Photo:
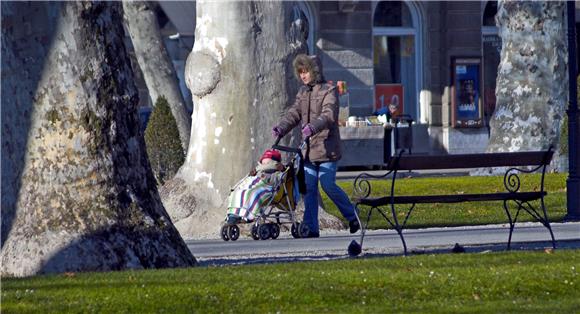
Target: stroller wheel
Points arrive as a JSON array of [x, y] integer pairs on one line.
[[264, 231], [275, 230], [224, 233], [254, 233], [294, 230], [234, 232]]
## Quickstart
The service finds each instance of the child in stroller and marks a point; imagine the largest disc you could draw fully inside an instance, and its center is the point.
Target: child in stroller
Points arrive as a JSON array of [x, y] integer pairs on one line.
[[255, 190], [266, 198]]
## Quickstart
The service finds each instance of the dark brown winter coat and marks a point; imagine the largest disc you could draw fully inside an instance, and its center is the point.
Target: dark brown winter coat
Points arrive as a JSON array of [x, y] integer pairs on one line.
[[317, 104]]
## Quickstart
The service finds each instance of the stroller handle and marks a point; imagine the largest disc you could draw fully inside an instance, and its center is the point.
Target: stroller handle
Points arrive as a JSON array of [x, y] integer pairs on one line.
[[287, 149], [299, 157]]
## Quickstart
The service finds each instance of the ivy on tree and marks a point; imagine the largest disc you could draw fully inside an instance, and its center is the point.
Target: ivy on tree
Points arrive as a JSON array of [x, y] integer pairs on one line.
[[163, 144]]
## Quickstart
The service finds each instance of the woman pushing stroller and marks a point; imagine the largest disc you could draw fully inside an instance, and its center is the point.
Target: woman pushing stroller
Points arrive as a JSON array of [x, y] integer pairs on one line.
[[316, 111]]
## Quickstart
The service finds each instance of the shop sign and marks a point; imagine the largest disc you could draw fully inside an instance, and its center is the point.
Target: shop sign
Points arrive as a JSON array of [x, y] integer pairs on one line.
[[389, 97]]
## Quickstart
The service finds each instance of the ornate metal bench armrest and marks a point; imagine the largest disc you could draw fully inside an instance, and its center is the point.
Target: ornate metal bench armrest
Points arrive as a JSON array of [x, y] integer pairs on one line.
[[511, 179], [362, 186]]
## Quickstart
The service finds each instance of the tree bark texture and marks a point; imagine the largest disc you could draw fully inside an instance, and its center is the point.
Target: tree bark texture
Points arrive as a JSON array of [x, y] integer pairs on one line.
[[88, 199], [532, 79], [24, 50], [240, 74], [155, 63]]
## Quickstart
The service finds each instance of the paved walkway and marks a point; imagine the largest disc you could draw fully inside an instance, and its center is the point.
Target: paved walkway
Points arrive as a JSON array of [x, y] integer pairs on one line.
[[333, 245]]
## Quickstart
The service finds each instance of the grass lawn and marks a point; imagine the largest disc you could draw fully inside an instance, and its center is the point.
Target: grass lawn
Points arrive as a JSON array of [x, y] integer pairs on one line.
[[537, 282], [460, 214]]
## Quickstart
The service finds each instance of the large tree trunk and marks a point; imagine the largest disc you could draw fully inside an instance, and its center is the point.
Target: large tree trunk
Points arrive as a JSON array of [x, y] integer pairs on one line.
[[23, 56], [240, 74], [155, 63], [88, 199], [532, 81]]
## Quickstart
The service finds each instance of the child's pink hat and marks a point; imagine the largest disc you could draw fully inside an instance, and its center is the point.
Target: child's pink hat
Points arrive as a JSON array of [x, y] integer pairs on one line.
[[272, 154]]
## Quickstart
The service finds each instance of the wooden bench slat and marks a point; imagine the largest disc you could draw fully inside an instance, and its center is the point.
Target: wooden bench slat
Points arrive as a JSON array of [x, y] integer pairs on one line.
[[459, 161], [456, 198]]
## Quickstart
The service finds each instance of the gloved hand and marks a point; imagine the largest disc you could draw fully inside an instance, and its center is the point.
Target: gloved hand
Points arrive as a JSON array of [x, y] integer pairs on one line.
[[276, 132], [308, 130]]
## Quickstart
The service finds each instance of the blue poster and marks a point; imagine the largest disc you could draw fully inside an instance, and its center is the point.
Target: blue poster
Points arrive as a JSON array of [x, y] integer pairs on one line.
[[467, 111]]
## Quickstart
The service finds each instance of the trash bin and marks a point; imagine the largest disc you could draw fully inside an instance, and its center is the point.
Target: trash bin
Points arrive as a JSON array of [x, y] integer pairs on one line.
[[399, 137]]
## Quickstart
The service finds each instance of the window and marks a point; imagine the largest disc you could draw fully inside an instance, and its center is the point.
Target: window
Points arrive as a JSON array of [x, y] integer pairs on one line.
[[303, 25], [396, 56], [489, 13], [392, 14]]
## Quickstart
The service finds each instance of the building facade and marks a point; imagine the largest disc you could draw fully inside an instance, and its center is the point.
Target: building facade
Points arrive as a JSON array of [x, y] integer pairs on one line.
[[437, 60]]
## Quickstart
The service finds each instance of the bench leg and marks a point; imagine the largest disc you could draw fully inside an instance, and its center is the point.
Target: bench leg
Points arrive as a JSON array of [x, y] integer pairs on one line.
[[532, 211], [395, 224], [542, 219], [400, 232], [546, 223], [399, 228], [364, 227], [511, 222], [355, 248], [551, 235]]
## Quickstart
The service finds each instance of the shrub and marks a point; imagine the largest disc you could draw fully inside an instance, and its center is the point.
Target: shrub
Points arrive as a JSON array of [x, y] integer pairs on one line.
[[163, 144]]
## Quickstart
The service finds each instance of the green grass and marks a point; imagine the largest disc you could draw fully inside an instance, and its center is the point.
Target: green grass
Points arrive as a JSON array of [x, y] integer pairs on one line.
[[537, 282], [459, 214]]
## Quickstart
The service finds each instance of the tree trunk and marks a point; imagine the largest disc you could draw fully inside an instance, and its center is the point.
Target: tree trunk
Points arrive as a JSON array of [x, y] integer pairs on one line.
[[155, 63], [88, 199], [532, 81], [24, 52], [240, 74]]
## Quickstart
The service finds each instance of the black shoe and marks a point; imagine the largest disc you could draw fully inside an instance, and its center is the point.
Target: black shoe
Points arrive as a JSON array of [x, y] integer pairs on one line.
[[312, 235], [354, 225]]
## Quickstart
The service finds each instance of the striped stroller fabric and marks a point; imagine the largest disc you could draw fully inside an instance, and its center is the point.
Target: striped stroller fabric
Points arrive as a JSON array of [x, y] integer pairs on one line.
[[251, 194]]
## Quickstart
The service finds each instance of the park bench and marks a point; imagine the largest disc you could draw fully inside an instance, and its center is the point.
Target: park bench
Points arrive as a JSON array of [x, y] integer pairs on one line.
[[514, 200]]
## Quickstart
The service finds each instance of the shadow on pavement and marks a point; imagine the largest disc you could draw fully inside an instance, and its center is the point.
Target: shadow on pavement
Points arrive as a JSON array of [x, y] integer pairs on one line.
[[458, 249]]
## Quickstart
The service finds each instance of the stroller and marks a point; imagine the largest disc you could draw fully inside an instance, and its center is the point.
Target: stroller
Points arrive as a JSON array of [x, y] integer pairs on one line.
[[280, 206]]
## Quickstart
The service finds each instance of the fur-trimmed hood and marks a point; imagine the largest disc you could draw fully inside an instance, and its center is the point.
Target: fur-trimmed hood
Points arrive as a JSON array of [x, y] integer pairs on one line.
[[312, 64]]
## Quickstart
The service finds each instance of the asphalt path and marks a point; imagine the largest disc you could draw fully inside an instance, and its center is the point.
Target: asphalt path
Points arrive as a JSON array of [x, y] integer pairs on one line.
[[382, 242]]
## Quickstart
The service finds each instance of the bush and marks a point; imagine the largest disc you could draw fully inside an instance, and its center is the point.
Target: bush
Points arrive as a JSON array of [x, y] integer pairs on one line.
[[163, 144]]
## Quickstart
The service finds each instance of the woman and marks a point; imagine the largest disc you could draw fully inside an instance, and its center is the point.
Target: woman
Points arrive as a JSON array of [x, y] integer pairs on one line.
[[316, 111]]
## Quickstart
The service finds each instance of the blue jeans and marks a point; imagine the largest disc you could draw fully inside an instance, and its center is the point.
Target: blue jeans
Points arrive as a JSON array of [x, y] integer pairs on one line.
[[326, 173]]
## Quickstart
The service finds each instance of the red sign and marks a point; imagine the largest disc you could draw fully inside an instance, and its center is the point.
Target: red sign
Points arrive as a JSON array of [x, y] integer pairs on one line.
[[389, 96]]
